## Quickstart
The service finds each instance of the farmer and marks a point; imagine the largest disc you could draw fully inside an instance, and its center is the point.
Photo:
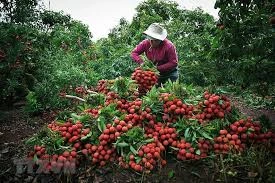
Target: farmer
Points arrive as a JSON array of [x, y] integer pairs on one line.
[[160, 51]]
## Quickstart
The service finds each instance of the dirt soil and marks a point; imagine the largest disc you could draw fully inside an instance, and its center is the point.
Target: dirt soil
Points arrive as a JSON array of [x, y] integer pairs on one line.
[[254, 113], [16, 126]]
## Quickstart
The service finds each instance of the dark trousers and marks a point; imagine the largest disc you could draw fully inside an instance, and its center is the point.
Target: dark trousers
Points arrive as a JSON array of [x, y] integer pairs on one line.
[[164, 77]]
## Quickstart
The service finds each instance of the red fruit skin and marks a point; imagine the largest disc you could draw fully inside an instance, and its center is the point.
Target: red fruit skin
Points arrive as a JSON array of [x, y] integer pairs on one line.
[[221, 114], [233, 128], [223, 132], [234, 137]]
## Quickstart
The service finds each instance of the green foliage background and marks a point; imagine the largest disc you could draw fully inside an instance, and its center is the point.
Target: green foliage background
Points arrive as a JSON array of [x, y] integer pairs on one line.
[[44, 52]]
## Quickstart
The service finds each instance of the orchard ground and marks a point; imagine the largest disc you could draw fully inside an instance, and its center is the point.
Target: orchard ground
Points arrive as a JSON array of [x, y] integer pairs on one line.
[[16, 126]]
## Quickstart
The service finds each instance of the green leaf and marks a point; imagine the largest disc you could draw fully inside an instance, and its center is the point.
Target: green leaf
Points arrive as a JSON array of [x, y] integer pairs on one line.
[[101, 124], [174, 148], [186, 133], [35, 158], [87, 136], [250, 130], [75, 117], [198, 152], [122, 144], [138, 159], [133, 150], [149, 140], [171, 174], [193, 138], [59, 142], [84, 118], [205, 135], [30, 140]]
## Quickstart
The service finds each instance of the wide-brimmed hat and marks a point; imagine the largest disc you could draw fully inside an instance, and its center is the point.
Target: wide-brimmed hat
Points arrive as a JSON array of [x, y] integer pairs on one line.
[[156, 31]]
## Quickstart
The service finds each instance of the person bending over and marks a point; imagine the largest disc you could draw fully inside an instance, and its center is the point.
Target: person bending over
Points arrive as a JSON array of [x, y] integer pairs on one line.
[[159, 50]]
